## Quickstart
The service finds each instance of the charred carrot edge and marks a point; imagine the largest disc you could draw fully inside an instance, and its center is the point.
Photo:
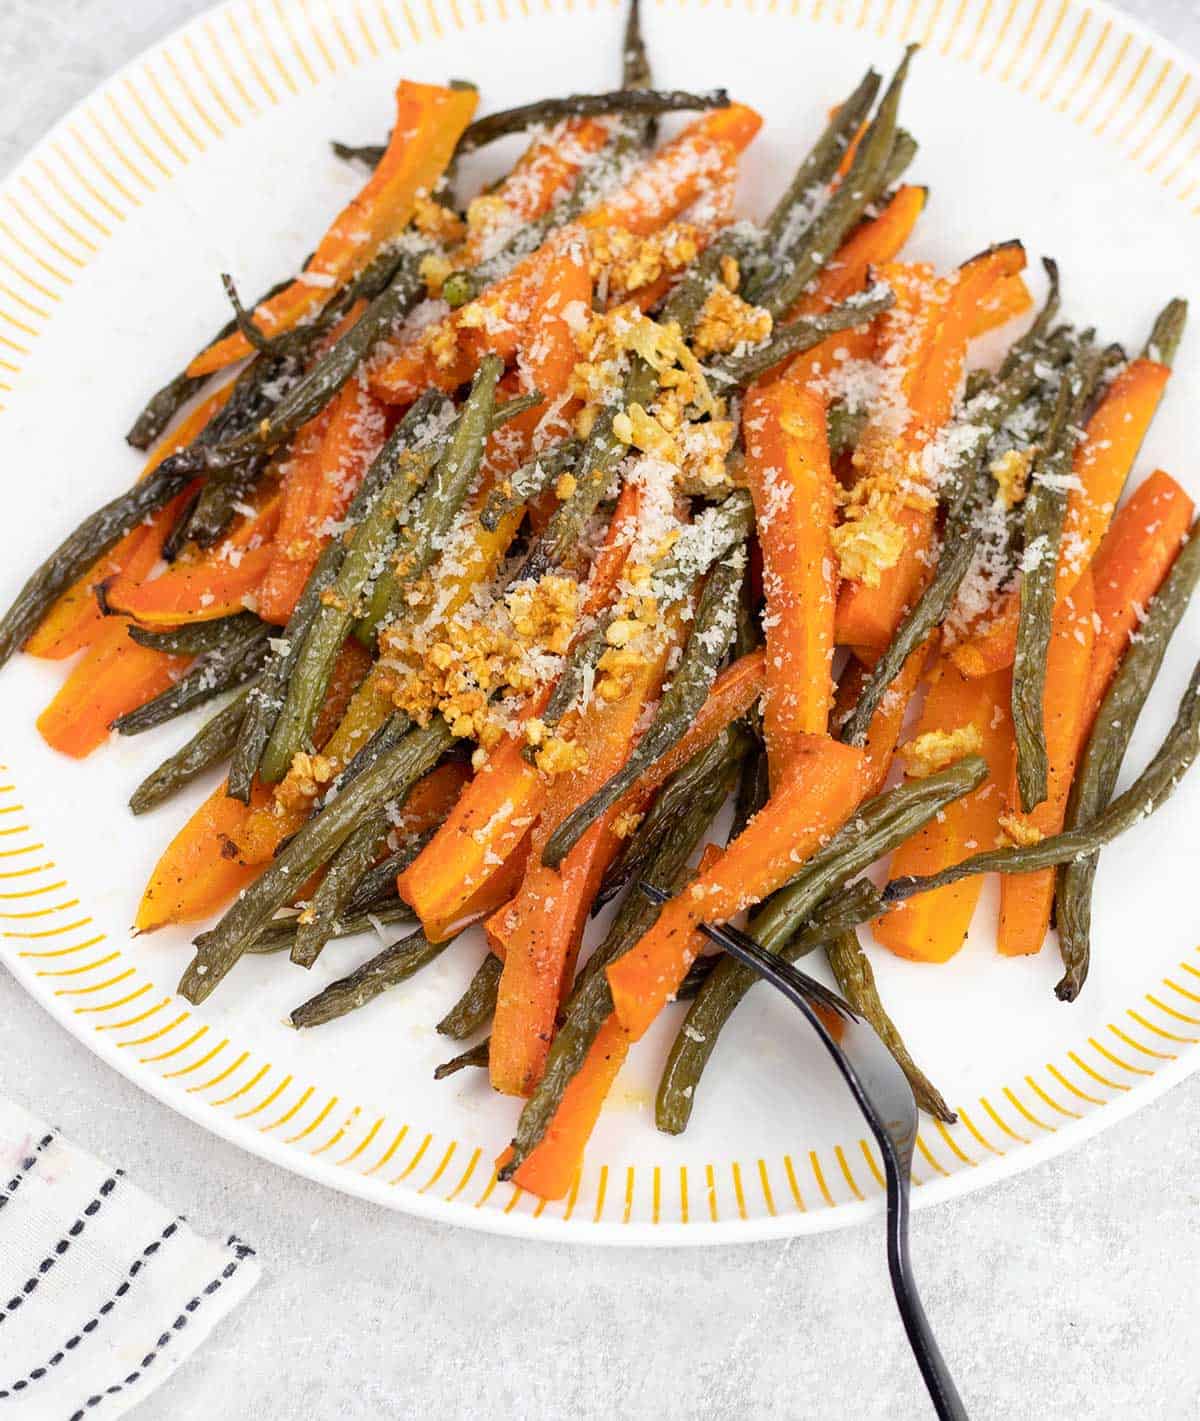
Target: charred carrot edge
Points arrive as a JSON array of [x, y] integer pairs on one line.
[[787, 467], [429, 122], [931, 927], [1102, 464], [823, 789], [1142, 542], [1026, 900]]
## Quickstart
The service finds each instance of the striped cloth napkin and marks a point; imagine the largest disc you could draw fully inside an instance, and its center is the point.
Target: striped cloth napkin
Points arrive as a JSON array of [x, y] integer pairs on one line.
[[103, 1292]]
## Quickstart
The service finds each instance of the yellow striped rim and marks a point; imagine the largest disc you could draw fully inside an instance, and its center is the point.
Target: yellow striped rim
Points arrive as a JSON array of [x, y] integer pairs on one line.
[[223, 73]]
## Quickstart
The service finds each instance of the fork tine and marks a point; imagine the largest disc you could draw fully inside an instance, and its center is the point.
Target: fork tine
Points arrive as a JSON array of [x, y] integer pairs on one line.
[[744, 946]]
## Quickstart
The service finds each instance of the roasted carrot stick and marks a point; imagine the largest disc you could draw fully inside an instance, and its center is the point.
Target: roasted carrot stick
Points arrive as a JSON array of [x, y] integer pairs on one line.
[[75, 619], [216, 584], [203, 866], [1026, 899], [933, 926], [550, 162], [1137, 552], [541, 929], [316, 492], [868, 614], [673, 177], [787, 467], [822, 790], [497, 322], [1009, 298], [429, 122], [538, 936], [115, 676], [550, 1169], [1102, 464]]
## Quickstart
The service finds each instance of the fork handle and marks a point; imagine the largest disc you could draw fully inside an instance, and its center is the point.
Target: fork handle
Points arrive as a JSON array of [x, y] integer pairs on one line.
[[940, 1384]]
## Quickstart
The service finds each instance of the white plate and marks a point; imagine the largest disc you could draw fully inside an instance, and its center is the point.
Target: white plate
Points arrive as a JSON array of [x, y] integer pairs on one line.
[[1062, 123]]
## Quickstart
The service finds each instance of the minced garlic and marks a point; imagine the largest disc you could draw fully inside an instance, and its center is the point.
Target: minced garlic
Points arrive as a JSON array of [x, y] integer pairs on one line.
[[726, 320], [933, 751], [1011, 472], [1015, 829]]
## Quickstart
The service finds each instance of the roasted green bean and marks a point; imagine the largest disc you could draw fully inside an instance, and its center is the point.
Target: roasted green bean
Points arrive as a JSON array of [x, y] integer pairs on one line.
[[477, 1005], [856, 981], [829, 228], [1100, 764], [267, 701], [211, 744], [792, 214], [395, 964], [472, 1056], [311, 848], [195, 638], [223, 669], [444, 495], [531, 479], [800, 335], [319, 920]]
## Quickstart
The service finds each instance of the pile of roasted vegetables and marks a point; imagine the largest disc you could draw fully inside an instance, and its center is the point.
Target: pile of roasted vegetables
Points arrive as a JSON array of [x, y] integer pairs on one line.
[[520, 537]]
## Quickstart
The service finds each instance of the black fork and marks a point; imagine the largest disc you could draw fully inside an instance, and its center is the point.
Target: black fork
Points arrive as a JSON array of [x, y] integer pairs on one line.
[[886, 1100]]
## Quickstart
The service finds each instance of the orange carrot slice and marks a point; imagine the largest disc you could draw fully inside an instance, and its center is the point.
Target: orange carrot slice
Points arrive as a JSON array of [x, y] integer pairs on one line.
[[317, 489], [214, 585], [1136, 554], [868, 615], [429, 122], [550, 1169], [114, 677], [202, 867], [787, 467], [1026, 899], [675, 176], [933, 926], [823, 789]]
